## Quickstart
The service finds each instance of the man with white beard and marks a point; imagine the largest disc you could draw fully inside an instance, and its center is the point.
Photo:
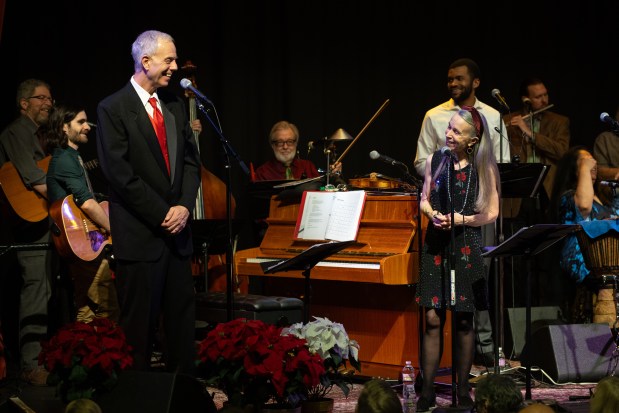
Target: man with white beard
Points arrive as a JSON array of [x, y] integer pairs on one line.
[[284, 138]]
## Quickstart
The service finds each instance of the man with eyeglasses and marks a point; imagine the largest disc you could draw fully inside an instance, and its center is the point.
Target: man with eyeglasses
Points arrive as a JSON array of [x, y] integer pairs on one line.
[[20, 145], [284, 138]]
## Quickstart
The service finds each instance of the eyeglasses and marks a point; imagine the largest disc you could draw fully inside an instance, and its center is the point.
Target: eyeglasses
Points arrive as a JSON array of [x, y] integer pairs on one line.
[[43, 98], [280, 144]]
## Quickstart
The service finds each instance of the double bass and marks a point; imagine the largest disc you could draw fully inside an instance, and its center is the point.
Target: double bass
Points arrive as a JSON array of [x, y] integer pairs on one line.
[[210, 205]]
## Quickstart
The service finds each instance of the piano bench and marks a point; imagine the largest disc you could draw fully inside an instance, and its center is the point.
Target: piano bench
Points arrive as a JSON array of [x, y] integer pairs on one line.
[[212, 307]]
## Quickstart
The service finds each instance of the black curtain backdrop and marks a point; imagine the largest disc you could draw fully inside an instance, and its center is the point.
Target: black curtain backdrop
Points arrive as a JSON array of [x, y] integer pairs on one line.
[[323, 65]]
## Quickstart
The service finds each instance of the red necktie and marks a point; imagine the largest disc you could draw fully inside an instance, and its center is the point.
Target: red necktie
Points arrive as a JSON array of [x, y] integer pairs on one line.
[[159, 125]]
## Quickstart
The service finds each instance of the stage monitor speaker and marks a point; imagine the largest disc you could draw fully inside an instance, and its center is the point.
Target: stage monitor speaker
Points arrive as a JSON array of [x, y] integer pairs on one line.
[[571, 352], [515, 326], [156, 392]]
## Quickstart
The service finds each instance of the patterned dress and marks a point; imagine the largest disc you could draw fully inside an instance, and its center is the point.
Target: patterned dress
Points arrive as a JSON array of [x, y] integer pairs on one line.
[[572, 261], [433, 290]]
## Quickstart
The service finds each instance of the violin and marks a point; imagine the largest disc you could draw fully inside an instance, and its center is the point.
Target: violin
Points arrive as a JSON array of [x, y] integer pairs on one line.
[[375, 181]]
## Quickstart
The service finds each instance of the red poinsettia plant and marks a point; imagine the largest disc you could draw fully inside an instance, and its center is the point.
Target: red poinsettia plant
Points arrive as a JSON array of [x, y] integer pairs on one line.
[[84, 359], [252, 363]]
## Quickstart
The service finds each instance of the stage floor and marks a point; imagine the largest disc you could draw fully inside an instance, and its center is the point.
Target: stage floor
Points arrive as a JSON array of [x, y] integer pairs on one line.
[[565, 398]]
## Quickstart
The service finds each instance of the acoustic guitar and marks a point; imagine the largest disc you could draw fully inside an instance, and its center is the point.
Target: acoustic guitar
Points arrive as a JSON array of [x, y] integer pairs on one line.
[[75, 235], [28, 204]]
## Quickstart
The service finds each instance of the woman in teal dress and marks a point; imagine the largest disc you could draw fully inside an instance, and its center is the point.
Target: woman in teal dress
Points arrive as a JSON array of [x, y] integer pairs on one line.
[[475, 183], [577, 198]]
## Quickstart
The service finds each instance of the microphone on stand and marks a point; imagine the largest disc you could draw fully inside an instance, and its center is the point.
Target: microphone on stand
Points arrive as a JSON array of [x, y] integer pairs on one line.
[[378, 157], [445, 151], [496, 93], [605, 117], [610, 184], [187, 84], [527, 103], [310, 146]]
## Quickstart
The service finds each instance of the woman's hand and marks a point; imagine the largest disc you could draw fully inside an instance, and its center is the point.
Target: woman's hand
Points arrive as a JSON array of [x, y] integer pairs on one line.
[[443, 222]]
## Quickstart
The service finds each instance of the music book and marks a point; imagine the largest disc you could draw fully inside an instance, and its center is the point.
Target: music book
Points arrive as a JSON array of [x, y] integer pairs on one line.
[[329, 215]]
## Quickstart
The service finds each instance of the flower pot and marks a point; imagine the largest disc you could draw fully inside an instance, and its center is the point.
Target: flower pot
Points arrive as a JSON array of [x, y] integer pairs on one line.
[[274, 408], [324, 405]]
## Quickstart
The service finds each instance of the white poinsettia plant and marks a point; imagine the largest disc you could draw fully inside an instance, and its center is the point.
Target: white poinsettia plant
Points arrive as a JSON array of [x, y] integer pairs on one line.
[[329, 340]]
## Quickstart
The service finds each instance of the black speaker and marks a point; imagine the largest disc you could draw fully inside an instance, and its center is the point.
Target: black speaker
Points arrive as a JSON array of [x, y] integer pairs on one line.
[[156, 392], [515, 326], [571, 352]]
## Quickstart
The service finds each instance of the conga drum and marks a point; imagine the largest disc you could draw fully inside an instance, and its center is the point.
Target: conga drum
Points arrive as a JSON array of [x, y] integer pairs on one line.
[[601, 256]]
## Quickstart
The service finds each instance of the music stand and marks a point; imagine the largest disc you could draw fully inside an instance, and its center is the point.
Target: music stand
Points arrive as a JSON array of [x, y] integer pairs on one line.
[[528, 242], [210, 236], [518, 180], [25, 247], [522, 180], [305, 261]]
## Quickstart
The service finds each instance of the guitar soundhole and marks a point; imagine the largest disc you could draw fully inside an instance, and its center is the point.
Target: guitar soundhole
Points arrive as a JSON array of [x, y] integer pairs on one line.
[[96, 240]]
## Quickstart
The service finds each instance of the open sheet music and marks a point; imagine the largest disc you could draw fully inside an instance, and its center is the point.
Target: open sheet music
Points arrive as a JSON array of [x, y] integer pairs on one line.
[[329, 215]]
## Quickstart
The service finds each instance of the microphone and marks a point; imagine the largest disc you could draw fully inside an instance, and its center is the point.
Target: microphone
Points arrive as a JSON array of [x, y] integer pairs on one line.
[[378, 157], [445, 151], [92, 125], [310, 146], [186, 84], [610, 184], [605, 117], [496, 93], [526, 101]]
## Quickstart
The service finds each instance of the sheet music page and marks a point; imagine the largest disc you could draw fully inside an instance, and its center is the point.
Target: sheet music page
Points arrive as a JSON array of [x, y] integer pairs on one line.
[[345, 216], [314, 215], [330, 215]]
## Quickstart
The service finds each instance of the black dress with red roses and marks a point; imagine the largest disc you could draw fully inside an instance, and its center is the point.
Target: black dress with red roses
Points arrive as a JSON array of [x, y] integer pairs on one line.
[[433, 289]]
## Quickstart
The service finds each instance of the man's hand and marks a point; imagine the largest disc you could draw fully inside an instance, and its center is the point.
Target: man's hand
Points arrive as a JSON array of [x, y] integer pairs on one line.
[[336, 168], [196, 125], [175, 220], [517, 120]]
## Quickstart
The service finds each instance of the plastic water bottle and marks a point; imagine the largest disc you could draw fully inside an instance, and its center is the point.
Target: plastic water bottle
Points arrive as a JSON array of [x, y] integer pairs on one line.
[[408, 388], [502, 363]]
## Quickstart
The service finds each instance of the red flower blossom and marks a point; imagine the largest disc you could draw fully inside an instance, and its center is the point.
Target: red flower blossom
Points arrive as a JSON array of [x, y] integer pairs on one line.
[[84, 358], [437, 260], [466, 250], [253, 363], [461, 176], [435, 300]]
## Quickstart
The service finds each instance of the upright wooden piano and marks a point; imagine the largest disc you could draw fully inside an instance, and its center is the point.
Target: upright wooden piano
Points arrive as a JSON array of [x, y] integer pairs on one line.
[[368, 286]]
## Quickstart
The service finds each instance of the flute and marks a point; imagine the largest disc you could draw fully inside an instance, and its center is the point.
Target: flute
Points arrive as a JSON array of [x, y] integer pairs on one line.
[[538, 111]]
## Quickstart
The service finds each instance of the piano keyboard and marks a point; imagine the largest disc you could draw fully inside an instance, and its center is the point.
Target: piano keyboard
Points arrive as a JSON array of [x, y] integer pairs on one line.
[[339, 264]]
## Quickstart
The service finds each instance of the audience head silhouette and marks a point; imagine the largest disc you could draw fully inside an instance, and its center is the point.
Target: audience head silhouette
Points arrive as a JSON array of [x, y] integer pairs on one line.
[[497, 394], [378, 397], [605, 398]]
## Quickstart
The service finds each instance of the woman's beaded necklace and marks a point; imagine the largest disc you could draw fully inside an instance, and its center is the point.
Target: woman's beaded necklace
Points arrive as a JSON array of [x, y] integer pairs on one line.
[[468, 185]]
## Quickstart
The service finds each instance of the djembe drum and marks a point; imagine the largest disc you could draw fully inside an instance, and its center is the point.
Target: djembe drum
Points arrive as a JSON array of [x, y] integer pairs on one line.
[[601, 256]]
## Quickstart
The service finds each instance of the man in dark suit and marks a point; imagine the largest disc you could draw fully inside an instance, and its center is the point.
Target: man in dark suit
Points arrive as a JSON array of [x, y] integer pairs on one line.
[[150, 160]]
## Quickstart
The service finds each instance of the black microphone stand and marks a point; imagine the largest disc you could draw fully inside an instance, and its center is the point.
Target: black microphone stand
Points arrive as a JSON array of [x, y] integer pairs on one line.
[[452, 276], [499, 271], [228, 151]]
